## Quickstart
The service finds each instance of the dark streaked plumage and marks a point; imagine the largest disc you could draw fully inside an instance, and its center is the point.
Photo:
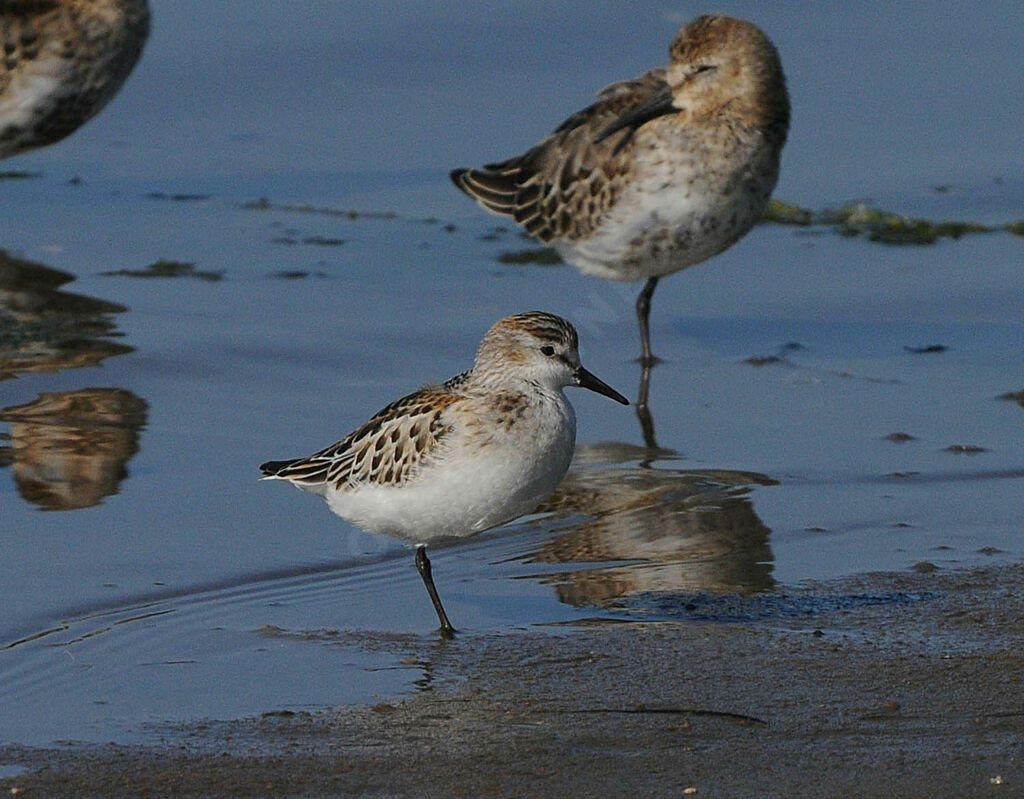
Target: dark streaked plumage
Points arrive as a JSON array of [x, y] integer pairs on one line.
[[663, 171], [388, 450], [553, 196]]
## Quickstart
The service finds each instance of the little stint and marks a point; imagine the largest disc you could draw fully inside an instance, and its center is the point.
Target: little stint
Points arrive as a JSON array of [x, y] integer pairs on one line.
[[452, 460], [662, 172]]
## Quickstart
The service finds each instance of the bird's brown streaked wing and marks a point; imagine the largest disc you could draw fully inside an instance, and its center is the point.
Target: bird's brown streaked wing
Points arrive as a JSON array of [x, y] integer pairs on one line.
[[563, 186], [386, 451]]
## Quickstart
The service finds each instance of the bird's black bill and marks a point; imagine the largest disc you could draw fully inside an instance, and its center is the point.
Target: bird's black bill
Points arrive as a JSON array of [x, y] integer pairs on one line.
[[657, 105], [585, 379]]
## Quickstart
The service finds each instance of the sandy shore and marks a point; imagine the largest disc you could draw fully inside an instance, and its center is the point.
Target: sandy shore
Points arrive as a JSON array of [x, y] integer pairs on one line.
[[899, 685]]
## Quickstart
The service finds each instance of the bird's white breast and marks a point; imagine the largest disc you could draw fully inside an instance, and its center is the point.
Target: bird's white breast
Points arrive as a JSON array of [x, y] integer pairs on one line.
[[485, 477]]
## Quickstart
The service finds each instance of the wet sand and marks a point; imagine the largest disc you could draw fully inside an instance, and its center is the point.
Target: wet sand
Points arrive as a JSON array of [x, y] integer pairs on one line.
[[902, 685]]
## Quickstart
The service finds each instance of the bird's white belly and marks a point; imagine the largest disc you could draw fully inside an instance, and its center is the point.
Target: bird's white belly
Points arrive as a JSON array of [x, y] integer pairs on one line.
[[458, 497], [677, 212]]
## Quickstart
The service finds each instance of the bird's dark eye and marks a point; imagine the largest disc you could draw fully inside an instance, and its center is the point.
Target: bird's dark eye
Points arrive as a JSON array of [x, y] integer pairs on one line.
[[704, 68], [548, 350]]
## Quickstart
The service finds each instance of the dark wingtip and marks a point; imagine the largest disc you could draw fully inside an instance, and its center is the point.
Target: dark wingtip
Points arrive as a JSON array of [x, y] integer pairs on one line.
[[456, 176], [273, 468]]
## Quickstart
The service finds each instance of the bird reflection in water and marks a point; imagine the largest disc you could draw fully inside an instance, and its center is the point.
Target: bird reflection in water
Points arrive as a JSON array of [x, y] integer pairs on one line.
[[66, 449], [44, 329], [69, 449], [62, 61], [658, 530]]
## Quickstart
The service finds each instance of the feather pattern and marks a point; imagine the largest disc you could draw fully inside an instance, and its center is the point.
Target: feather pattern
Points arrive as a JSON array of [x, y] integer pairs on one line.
[[388, 450], [564, 186]]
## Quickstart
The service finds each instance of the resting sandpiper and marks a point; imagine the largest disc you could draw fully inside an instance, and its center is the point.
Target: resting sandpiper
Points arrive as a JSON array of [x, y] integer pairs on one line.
[[452, 460], [663, 171], [61, 62]]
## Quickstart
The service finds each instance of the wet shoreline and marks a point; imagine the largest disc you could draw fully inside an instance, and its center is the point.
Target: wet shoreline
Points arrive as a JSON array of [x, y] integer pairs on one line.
[[915, 698]]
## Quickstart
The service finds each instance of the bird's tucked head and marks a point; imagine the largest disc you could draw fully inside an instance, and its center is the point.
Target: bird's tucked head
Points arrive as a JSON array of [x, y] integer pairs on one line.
[[719, 62]]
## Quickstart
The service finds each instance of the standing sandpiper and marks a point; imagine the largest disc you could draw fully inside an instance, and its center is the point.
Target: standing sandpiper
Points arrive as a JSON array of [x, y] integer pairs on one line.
[[663, 171], [455, 459], [61, 62]]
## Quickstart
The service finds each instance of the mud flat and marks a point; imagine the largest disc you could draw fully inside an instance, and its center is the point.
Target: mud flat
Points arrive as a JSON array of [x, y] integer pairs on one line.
[[897, 684]]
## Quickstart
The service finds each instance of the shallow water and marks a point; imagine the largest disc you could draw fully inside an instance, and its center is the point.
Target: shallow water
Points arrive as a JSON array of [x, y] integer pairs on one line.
[[148, 576]]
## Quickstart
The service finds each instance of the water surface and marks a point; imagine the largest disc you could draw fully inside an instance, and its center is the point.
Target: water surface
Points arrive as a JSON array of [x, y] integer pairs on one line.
[[147, 575]]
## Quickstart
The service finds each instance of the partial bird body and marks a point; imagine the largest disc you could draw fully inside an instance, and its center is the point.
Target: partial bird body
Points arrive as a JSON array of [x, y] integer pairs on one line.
[[449, 442], [61, 61]]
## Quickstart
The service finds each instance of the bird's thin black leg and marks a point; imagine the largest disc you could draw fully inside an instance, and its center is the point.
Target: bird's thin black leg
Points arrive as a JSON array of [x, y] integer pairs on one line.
[[423, 566], [643, 312], [647, 360]]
